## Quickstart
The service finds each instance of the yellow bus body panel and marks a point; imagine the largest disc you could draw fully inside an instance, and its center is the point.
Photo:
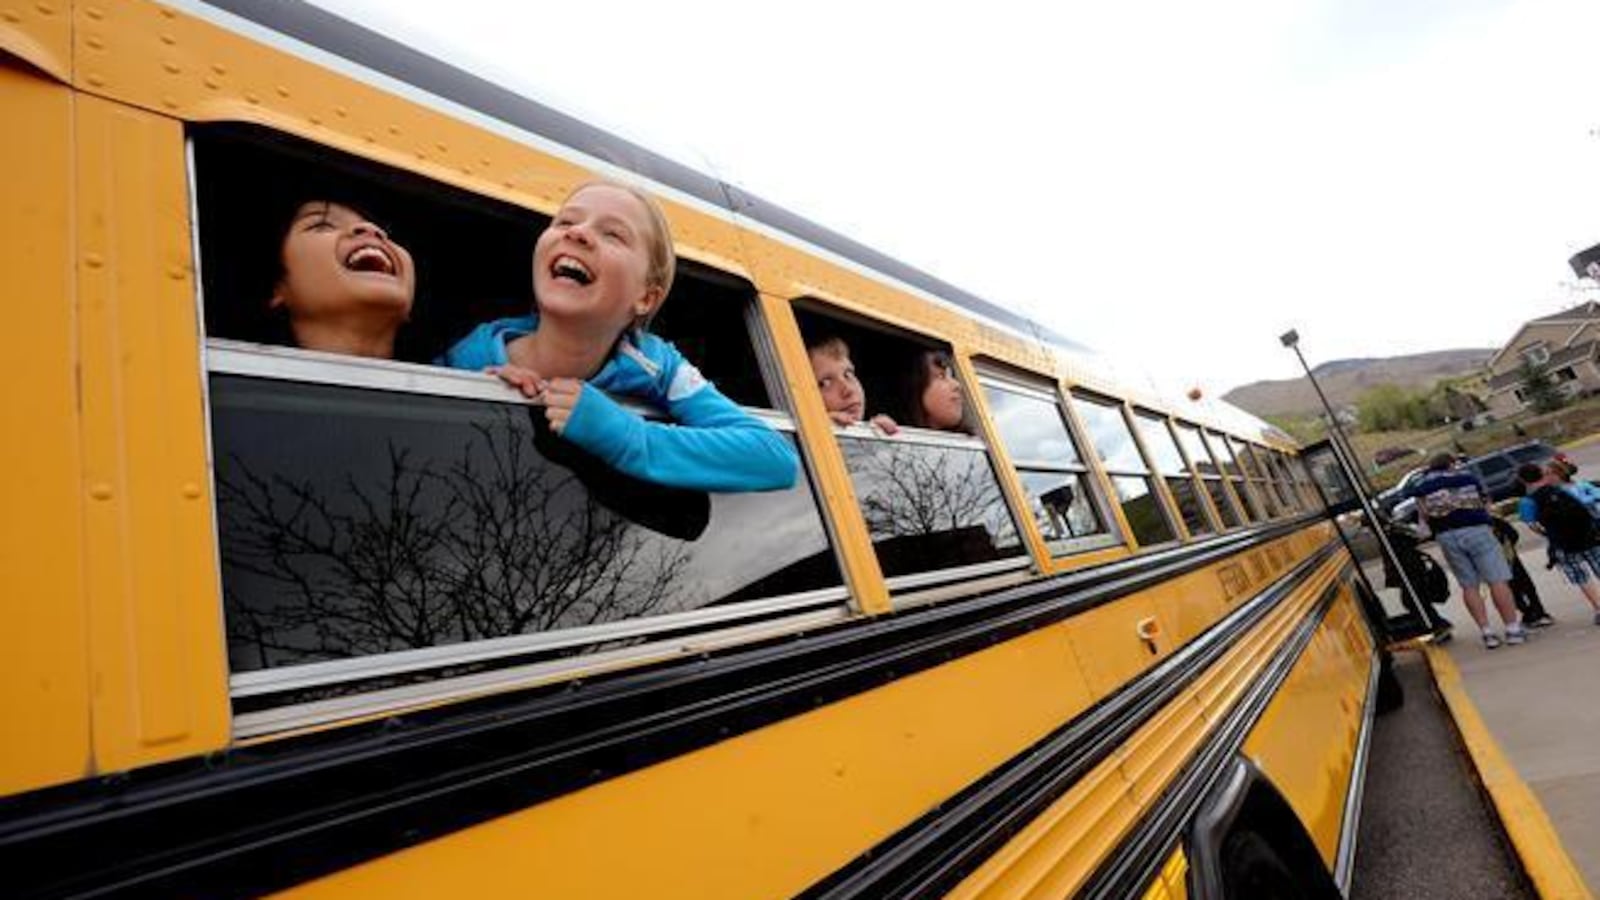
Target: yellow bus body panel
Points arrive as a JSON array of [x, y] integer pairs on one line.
[[39, 34], [765, 814], [44, 688], [1320, 706], [158, 665]]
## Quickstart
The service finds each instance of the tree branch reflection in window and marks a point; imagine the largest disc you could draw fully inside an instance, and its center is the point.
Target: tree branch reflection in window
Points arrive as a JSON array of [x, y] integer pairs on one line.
[[361, 522]]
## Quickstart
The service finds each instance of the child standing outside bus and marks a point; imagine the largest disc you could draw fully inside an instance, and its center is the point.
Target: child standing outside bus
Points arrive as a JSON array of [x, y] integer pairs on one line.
[[1563, 513], [600, 271]]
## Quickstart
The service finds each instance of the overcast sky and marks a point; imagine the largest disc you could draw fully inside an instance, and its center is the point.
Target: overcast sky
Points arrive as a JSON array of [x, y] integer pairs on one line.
[[1171, 182]]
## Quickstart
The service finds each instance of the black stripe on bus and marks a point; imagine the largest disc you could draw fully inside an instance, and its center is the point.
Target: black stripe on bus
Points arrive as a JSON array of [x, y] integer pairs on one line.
[[930, 856], [256, 819], [1130, 869], [347, 40]]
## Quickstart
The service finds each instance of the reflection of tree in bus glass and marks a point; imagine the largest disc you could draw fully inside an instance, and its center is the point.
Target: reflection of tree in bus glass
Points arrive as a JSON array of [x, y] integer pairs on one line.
[[930, 507], [379, 522]]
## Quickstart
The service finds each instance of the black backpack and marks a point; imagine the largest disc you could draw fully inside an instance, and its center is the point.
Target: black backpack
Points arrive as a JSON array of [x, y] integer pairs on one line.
[[1565, 520]]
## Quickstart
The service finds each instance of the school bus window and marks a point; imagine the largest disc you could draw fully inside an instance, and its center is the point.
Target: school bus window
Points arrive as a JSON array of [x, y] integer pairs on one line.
[[1222, 450], [930, 496], [1272, 464], [1169, 464], [415, 526], [1256, 475], [423, 512], [1204, 467], [1130, 476], [1048, 463]]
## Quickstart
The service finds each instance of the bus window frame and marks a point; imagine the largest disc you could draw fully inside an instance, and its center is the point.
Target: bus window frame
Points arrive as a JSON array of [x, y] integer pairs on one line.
[[1185, 470], [1249, 504], [1059, 547], [1148, 475], [223, 356], [1217, 474]]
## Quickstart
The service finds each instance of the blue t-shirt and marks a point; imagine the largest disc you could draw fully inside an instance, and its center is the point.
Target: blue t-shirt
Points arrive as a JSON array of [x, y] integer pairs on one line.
[[723, 448], [1451, 499]]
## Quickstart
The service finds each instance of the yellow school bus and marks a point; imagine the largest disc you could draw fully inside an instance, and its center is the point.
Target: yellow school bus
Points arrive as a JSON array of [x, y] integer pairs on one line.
[[288, 622]]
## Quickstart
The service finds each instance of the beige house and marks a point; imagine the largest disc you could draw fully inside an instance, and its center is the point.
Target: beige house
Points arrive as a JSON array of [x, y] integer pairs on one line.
[[1563, 344]]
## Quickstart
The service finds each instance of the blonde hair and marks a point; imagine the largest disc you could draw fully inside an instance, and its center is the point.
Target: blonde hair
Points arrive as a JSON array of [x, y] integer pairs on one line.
[[663, 259]]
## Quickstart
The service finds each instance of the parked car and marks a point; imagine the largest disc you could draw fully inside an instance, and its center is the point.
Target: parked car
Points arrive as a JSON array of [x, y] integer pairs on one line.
[[1497, 470]]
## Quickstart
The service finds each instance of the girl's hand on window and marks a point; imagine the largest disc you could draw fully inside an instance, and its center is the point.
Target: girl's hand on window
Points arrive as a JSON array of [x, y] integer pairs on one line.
[[526, 381], [560, 397], [884, 424]]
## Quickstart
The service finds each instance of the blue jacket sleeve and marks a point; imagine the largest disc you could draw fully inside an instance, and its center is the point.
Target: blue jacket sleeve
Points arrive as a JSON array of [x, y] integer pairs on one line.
[[717, 446]]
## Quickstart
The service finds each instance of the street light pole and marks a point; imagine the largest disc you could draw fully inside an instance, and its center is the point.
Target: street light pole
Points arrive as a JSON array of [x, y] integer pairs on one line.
[[1291, 339]]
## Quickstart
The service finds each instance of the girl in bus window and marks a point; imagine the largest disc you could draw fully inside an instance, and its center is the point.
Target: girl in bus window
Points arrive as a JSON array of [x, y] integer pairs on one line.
[[600, 271], [344, 286], [933, 396]]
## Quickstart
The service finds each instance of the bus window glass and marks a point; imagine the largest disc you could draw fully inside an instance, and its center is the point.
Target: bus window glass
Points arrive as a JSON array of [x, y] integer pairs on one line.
[[1108, 431], [1250, 507], [355, 522], [1169, 464], [1048, 463], [1210, 474], [930, 506], [1113, 440], [1143, 511]]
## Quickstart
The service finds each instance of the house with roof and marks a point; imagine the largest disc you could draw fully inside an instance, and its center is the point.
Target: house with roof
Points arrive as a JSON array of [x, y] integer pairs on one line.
[[1563, 345]]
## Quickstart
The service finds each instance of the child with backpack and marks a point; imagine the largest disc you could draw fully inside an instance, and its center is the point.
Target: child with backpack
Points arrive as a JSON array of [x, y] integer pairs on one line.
[[1523, 591], [1561, 512]]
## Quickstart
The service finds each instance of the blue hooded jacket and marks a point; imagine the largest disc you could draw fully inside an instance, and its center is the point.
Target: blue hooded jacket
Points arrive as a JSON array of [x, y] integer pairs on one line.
[[715, 445]]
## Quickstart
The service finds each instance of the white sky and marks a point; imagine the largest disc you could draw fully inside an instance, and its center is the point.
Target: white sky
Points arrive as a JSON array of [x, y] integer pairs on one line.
[[1170, 182]]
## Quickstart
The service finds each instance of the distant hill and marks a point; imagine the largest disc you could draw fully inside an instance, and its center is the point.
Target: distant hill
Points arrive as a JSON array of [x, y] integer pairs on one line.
[[1345, 380]]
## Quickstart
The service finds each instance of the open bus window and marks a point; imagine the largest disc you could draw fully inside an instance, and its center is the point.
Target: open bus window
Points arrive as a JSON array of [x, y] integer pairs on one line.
[[1049, 464], [1204, 467], [1130, 475], [385, 509], [1169, 463], [931, 498], [472, 254]]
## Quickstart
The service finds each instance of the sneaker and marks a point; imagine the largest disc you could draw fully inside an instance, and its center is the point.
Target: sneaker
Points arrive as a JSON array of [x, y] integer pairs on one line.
[[1491, 640], [1516, 637], [1543, 621]]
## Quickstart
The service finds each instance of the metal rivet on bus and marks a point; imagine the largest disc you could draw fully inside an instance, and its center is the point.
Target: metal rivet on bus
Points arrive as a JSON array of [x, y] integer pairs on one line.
[[169, 39], [94, 12], [177, 273], [169, 102], [315, 120], [10, 16], [212, 83], [339, 111], [95, 80], [191, 491], [100, 492], [441, 148], [168, 14], [94, 43], [282, 91], [93, 260], [251, 98], [44, 9], [219, 68], [394, 130], [172, 68]]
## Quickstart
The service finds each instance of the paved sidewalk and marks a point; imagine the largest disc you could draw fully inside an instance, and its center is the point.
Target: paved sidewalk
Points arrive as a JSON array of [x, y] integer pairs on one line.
[[1541, 701]]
